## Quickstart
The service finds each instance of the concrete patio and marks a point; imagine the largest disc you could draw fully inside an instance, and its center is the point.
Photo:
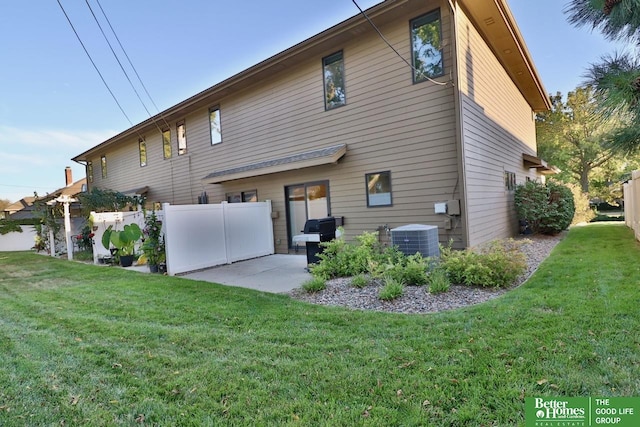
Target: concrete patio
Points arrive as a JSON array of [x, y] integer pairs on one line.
[[274, 273]]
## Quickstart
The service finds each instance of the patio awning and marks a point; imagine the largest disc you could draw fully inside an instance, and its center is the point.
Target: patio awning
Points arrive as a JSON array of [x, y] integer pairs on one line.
[[305, 159], [531, 161]]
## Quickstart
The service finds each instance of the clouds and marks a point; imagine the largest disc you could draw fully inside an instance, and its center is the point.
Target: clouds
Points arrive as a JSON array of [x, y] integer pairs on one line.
[[33, 160]]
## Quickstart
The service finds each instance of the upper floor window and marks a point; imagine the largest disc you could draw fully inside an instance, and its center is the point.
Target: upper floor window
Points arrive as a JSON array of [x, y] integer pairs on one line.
[[142, 149], [90, 171], [103, 166], [215, 126], [426, 46], [181, 130], [334, 91], [166, 143]]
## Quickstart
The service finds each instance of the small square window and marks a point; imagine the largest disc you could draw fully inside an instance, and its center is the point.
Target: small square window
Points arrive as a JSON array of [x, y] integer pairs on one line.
[[181, 130], [426, 46], [250, 196], [166, 143], [378, 189], [103, 166], [234, 197], [334, 90], [142, 149], [215, 126]]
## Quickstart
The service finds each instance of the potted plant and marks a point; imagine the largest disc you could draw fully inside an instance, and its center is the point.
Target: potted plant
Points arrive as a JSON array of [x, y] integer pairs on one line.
[[153, 242], [124, 241]]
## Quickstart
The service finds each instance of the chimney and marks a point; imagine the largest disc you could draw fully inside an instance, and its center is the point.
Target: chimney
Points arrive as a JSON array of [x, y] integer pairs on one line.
[[67, 176]]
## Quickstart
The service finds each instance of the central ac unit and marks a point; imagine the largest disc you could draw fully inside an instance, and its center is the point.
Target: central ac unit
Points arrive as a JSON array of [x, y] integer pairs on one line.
[[414, 238]]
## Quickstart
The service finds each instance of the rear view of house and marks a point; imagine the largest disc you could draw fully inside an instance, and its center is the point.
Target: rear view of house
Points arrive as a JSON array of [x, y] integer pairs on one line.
[[437, 128]]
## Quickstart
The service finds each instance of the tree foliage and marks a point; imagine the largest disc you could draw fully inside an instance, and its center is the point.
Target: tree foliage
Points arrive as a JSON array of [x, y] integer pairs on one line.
[[574, 134], [617, 77]]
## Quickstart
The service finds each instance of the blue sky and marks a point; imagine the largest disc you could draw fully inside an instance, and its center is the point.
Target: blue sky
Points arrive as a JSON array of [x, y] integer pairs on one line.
[[54, 106]]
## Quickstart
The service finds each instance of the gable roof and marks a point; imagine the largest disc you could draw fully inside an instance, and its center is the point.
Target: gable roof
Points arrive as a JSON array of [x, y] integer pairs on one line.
[[492, 18]]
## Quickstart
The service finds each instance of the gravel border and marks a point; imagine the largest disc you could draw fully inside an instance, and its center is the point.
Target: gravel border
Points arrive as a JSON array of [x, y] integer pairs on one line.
[[416, 299]]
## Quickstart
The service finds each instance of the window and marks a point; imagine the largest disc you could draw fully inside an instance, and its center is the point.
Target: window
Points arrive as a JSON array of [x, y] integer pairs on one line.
[[378, 189], [242, 196], [103, 166], [142, 149], [334, 92], [214, 124], [509, 181], [181, 130], [90, 171], [426, 45], [166, 143]]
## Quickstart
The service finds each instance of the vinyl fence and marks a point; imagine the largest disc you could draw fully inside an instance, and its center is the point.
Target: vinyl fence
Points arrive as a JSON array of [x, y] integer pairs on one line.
[[632, 203], [200, 236], [203, 236], [16, 241]]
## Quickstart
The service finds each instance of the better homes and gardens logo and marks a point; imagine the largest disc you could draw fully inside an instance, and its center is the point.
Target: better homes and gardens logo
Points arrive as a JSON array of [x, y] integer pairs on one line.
[[582, 411]]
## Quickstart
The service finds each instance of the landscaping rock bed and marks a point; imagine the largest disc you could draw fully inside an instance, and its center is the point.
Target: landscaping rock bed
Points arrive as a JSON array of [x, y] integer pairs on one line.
[[417, 299]]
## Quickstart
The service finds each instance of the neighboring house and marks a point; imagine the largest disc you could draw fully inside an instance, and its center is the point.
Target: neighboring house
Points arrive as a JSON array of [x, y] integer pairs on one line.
[[21, 209], [340, 125], [24, 208]]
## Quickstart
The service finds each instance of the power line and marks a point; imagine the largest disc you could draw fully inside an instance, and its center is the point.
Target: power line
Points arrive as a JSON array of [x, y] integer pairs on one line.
[[394, 49], [120, 63], [131, 63], [93, 63]]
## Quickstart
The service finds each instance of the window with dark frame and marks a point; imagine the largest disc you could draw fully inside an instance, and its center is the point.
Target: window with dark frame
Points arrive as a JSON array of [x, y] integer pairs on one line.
[[90, 171], [166, 143], [426, 46], [103, 166], [215, 126], [334, 89], [378, 185], [509, 181], [181, 131], [242, 196], [142, 149]]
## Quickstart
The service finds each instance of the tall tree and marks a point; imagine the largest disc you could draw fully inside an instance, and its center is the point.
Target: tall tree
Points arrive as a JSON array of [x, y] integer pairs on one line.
[[616, 78], [573, 136]]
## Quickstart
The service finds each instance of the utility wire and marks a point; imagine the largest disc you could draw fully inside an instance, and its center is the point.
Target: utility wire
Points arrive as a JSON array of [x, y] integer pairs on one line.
[[131, 64], [120, 64], [394, 49], [94, 64]]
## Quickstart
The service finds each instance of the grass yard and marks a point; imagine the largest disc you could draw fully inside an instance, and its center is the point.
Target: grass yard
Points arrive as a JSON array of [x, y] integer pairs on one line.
[[97, 346]]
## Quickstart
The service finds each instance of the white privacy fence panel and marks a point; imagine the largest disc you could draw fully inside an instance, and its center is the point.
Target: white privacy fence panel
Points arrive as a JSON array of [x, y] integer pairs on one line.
[[194, 237], [632, 203], [203, 236], [16, 241]]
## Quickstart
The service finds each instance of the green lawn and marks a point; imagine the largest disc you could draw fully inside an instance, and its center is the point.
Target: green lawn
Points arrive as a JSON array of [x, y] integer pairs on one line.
[[83, 345]]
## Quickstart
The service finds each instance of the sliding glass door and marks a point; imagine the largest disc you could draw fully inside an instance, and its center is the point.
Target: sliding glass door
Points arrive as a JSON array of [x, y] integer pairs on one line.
[[306, 201]]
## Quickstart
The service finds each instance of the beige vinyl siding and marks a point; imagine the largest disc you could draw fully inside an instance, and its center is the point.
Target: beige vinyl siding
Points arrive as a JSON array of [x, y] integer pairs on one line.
[[388, 123], [497, 127]]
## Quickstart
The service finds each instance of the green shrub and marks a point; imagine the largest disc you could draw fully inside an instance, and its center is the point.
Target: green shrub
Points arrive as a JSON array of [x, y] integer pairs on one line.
[[603, 218], [340, 259], [546, 208], [315, 284], [438, 281], [359, 281], [391, 290], [498, 265]]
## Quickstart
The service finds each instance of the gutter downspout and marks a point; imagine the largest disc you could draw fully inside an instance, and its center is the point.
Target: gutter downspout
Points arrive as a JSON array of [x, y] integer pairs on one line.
[[457, 97], [86, 174]]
